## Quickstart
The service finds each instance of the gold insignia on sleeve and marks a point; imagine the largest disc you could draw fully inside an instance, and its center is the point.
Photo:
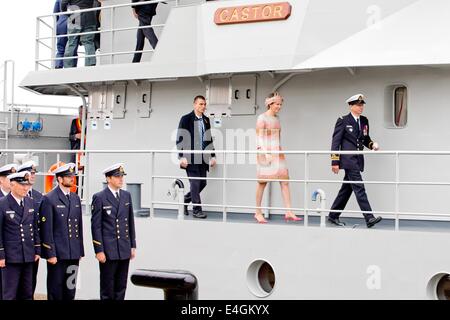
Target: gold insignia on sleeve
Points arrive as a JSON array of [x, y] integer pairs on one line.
[[46, 246], [97, 243], [335, 157]]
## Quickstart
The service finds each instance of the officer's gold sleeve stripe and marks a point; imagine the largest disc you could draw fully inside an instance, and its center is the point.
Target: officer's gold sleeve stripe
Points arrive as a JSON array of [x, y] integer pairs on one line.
[[335, 157], [1, 249], [37, 245], [97, 243], [46, 246]]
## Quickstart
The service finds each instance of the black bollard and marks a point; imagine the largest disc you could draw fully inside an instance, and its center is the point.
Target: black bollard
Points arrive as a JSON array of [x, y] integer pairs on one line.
[[177, 285]]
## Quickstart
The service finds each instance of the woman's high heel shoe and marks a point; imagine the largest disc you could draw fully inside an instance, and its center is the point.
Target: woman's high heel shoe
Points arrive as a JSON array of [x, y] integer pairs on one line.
[[260, 218], [289, 217]]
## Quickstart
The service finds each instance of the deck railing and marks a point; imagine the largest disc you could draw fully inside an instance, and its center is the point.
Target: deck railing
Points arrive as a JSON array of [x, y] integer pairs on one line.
[[224, 206], [46, 36]]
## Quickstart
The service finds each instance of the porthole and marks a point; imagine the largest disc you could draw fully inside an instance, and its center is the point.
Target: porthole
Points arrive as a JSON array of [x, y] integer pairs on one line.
[[261, 278]]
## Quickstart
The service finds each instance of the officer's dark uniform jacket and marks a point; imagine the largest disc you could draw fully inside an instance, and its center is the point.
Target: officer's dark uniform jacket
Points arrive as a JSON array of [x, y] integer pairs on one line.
[[112, 224], [61, 226], [346, 138], [19, 236]]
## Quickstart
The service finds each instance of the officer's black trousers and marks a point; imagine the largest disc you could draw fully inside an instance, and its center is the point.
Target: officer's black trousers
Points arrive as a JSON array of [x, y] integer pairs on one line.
[[17, 281], [346, 191], [35, 272], [113, 279], [197, 186], [1, 293], [62, 279]]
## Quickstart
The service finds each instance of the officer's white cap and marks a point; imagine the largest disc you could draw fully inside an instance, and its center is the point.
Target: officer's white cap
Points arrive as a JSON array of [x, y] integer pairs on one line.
[[115, 170], [8, 169], [20, 177], [27, 166], [355, 98], [65, 170]]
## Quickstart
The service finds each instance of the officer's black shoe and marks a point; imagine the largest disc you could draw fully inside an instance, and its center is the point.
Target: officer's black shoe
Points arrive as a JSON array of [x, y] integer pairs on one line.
[[336, 221], [199, 215], [373, 221], [186, 211]]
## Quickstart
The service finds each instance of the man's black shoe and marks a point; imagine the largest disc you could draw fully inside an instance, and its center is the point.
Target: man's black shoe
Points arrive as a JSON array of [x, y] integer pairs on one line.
[[336, 221], [186, 211], [199, 215], [373, 221]]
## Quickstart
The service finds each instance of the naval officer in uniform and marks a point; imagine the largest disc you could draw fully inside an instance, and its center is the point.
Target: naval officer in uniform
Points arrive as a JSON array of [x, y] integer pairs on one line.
[[5, 171], [36, 196], [113, 234], [19, 239], [351, 133], [62, 235], [4, 191]]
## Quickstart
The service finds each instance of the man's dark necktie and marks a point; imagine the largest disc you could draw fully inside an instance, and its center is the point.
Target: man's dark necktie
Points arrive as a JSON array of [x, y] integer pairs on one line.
[[117, 197], [358, 128], [68, 197], [21, 204]]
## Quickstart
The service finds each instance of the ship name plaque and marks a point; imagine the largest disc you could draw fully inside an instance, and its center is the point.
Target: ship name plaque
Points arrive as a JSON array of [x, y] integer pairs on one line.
[[253, 13]]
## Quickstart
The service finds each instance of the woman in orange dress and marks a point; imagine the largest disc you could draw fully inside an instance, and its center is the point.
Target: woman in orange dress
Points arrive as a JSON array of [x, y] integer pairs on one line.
[[271, 166]]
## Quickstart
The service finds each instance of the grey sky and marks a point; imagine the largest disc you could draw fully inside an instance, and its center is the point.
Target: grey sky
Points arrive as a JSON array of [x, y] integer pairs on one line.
[[18, 31]]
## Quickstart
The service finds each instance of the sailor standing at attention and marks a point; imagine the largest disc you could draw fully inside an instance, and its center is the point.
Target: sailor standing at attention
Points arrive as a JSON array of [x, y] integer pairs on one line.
[[36, 196], [62, 235], [20, 246], [351, 133], [4, 191], [113, 234]]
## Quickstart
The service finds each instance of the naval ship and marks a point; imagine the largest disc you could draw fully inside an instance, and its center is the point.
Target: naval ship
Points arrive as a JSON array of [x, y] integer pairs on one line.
[[316, 53]]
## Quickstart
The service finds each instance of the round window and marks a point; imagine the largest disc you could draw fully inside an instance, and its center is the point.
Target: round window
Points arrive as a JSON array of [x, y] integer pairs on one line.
[[261, 278]]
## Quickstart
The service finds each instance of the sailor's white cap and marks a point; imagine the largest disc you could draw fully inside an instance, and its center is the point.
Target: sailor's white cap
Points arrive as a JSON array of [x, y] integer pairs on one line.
[[8, 169], [27, 166], [116, 170], [356, 98], [65, 170], [20, 177]]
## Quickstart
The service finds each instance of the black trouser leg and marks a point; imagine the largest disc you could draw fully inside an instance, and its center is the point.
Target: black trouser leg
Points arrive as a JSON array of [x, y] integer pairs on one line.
[[120, 285], [342, 198], [62, 280], [11, 275], [113, 279], [35, 272], [360, 193], [25, 289], [196, 186]]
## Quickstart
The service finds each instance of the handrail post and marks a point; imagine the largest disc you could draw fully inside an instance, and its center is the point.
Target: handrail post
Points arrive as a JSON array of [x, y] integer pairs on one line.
[[112, 21], [36, 49], [397, 191], [305, 199], [224, 187], [152, 186], [54, 40]]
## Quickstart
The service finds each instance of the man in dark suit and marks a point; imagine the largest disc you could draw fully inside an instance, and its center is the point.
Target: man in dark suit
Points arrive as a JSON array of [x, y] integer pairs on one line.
[[62, 235], [113, 234], [5, 188], [351, 133], [194, 133], [19, 239], [36, 196], [144, 13]]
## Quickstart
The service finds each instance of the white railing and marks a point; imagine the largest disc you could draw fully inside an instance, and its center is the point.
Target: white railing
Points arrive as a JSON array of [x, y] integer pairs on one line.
[[7, 97], [224, 206], [46, 24]]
